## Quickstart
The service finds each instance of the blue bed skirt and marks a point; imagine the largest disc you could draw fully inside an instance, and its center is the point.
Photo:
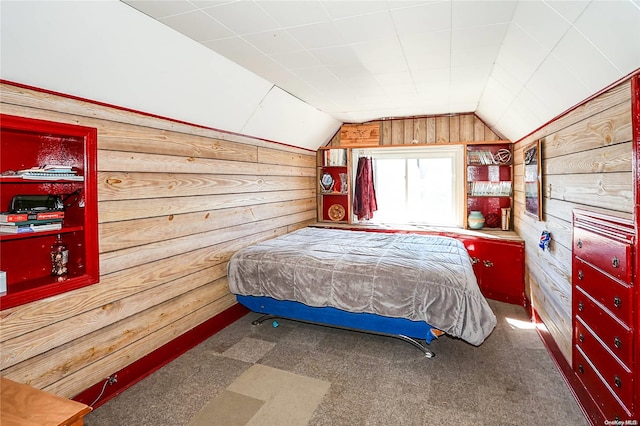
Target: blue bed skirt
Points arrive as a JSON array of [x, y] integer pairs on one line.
[[336, 317]]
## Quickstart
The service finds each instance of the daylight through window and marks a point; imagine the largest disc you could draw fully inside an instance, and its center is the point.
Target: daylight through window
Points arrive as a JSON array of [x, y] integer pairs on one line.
[[418, 185]]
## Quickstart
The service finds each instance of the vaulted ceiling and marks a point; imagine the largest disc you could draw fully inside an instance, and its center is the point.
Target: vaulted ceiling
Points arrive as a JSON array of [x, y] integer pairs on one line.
[[515, 64], [293, 71]]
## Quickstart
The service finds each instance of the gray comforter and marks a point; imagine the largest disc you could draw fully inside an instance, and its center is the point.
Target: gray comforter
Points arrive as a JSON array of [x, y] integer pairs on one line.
[[418, 277]]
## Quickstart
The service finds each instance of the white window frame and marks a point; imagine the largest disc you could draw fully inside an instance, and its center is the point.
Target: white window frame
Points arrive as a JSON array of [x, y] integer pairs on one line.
[[455, 152]]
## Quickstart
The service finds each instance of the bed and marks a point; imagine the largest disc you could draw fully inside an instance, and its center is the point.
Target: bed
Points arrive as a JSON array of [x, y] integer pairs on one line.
[[403, 285]]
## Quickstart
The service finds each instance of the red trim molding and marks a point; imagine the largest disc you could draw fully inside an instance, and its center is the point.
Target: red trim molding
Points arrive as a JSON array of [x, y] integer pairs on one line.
[[586, 404], [146, 365], [635, 124]]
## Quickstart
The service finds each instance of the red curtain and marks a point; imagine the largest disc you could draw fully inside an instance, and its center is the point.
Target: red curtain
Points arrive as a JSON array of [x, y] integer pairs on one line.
[[364, 196]]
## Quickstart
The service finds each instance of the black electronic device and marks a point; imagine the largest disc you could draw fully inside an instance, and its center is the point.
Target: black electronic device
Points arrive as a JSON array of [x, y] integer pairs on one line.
[[36, 203]]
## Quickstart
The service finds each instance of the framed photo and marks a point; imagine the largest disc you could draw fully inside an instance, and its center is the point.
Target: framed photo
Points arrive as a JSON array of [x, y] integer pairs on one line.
[[533, 180]]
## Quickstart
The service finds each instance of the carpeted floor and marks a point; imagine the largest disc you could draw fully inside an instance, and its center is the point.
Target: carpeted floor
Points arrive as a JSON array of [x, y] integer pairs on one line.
[[298, 374]]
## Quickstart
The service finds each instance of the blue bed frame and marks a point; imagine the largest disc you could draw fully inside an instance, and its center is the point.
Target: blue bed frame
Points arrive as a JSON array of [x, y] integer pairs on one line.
[[399, 328]]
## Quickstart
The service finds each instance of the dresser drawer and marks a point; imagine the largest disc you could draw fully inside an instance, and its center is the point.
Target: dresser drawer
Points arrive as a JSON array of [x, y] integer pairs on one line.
[[618, 376], [585, 337], [610, 405], [611, 256], [603, 325], [612, 294]]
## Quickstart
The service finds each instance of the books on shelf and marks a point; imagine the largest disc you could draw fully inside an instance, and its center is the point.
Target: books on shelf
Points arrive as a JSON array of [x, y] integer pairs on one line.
[[335, 157], [50, 172], [31, 227], [6, 218]]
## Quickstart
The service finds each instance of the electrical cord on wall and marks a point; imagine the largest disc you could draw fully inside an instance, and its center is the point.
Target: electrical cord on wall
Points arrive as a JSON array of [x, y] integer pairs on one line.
[[108, 381]]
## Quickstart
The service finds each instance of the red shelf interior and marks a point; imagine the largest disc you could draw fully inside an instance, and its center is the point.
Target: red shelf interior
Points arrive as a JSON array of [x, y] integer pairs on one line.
[[27, 143]]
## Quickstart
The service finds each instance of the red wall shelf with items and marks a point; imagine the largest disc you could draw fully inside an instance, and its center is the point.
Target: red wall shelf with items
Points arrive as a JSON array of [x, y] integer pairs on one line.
[[490, 182], [25, 258], [334, 193]]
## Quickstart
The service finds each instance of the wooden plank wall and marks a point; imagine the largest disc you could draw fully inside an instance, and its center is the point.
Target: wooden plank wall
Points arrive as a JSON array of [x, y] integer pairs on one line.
[[433, 129], [587, 163], [175, 202]]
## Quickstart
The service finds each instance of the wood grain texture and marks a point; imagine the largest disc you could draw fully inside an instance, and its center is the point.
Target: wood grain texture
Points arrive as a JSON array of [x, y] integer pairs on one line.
[[421, 130], [587, 163], [25, 405], [135, 185], [355, 135], [175, 201]]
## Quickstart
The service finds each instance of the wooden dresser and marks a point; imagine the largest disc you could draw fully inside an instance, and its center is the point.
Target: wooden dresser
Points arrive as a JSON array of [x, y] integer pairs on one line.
[[604, 310]]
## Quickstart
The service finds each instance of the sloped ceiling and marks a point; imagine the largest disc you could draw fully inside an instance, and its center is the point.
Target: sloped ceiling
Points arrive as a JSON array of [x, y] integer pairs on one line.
[[293, 71], [515, 64]]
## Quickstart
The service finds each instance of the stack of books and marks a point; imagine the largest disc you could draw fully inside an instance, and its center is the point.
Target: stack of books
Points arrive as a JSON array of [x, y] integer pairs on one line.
[[19, 223], [53, 172]]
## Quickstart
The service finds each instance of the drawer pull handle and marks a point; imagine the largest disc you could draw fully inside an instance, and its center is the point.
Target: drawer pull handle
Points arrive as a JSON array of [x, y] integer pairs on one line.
[[617, 342], [579, 243], [617, 302], [615, 262], [580, 275], [580, 368], [580, 306], [487, 263], [581, 337], [617, 381]]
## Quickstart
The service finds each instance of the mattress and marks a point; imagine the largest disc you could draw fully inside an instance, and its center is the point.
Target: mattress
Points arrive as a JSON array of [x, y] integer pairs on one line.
[[418, 277]]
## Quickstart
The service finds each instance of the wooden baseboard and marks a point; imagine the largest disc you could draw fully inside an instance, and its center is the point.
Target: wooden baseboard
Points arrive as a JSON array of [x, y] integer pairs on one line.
[[584, 400], [143, 367]]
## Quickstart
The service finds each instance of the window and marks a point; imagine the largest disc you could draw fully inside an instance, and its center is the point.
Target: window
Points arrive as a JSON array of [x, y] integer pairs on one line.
[[418, 185]]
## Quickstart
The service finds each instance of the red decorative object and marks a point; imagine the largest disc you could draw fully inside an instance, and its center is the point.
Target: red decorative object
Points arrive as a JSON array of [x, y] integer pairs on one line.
[[492, 220]]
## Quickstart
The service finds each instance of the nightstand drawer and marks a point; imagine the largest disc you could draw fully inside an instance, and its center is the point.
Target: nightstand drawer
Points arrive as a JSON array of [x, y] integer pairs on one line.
[[611, 256], [611, 293], [611, 406]]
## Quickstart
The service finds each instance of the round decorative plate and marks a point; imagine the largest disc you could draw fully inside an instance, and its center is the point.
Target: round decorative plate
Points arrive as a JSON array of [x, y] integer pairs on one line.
[[336, 212]]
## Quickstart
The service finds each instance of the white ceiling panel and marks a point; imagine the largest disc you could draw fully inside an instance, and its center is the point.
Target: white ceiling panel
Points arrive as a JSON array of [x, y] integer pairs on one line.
[[359, 60], [422, 18], [581, 58], [365, 28], [243, 17], [543, 23], [621, 46], [285, 119], [555, 86], [481, 13], [352, 61], [295, 13], [161, 9], [273, 42], [520, 54]]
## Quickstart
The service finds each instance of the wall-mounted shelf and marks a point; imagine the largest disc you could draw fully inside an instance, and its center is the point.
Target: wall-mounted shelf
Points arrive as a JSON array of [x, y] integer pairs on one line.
[[334, 185], [489, 171], [25, 258]]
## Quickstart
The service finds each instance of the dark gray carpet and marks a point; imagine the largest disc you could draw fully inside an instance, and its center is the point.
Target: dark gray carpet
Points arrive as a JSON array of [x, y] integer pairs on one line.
[[508, 380]]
